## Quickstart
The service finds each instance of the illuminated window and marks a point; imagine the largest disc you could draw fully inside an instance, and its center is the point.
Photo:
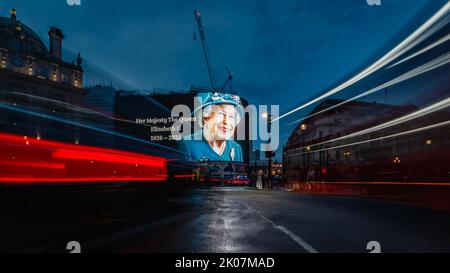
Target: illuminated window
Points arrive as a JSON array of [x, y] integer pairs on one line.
[[30, 68], [347, 155], [3, 59], [76, 81], [55, 73]]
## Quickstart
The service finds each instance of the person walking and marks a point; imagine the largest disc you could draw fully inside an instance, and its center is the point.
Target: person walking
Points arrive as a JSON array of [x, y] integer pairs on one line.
[[259, 179]]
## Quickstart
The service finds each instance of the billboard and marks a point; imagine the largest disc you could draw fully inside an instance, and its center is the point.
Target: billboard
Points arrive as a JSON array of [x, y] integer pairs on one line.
[[216, 117], [206, 131]]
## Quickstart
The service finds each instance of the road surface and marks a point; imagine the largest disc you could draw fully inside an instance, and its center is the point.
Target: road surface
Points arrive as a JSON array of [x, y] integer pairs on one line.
[[237, 220]]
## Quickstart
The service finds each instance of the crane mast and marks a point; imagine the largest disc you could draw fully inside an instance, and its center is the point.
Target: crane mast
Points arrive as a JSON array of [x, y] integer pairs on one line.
[[201, 31]]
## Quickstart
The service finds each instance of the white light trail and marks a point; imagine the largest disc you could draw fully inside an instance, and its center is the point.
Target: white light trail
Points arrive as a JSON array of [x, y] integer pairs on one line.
[[430, 27], [417, 114], [434, 126], [433, 45], [436, 63]]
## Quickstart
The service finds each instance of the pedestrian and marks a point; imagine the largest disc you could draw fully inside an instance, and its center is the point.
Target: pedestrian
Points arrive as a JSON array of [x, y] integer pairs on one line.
[[324, 172], [266, 179], [259, 180], [310, 175]]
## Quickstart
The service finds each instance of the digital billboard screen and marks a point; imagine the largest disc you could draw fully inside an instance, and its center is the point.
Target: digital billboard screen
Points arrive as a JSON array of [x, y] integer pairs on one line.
[[206, 130]]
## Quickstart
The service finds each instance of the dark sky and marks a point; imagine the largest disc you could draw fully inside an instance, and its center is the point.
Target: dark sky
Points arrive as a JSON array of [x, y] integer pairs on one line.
[[282, 52]]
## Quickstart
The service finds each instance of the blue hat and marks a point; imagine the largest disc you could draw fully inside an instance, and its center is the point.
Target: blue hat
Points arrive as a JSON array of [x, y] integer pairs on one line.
[[217, 98]]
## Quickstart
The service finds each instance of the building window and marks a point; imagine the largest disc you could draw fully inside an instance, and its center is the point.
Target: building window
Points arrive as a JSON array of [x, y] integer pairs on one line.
[[55, 73], [76, 79], [3, 58], [42, 72], [348, 155], [65, 77], [30, 67]]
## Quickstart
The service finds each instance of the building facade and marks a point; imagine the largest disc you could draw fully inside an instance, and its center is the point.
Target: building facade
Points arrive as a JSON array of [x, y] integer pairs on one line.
[[40, 93], [27, 66], [318, 151]]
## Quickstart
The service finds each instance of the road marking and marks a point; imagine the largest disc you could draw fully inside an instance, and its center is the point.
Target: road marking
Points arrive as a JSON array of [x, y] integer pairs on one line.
[[292, 235]]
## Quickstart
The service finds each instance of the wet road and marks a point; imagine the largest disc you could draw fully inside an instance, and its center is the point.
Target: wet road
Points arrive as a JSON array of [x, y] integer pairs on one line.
[[216, 220]]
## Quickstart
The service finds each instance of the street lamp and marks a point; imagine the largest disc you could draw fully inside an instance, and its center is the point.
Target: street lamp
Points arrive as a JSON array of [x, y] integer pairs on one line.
[[269, 154]]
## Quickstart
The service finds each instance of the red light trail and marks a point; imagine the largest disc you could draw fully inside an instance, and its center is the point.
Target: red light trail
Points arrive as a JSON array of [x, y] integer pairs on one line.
[[106, 157], [29, 160]]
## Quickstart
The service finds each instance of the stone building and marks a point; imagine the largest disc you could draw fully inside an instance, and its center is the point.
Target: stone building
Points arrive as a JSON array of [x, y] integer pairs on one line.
[[28, 67]]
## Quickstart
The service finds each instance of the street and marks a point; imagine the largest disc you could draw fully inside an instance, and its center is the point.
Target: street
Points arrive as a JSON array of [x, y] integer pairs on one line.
[[204, 220]]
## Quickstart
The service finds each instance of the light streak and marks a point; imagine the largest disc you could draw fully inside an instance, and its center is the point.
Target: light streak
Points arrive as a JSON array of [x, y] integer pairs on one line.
[[51, 180], [185, 175], [56, 162], [74, 108], [433, 45], [434, 64], [111, 157], [439, 184], [31, 164], [437, 125], [417, 114], [17, 109], [423, 32]]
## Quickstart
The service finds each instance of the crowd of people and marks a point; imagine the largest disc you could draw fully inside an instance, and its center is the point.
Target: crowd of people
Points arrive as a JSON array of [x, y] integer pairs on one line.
[[260, 179]]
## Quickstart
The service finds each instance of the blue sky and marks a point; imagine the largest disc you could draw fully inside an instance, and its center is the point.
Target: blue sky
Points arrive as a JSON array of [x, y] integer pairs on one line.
[[282, 52]]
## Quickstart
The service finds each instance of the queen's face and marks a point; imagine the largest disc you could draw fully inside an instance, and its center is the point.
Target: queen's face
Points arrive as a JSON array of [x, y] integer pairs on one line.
[[222, 122]]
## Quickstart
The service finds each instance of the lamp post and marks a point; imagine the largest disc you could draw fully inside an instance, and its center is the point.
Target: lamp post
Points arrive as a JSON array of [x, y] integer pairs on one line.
[[269, 154]]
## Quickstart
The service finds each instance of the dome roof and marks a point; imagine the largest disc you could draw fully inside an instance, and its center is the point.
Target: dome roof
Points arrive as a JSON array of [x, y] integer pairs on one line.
[[11, 23]]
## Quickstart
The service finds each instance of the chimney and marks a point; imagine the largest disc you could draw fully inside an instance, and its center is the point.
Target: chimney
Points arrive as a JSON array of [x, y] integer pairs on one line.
[[56, 38]]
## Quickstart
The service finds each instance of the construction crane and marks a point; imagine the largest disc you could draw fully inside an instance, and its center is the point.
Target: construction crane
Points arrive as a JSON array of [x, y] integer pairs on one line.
[[202, 36], [229, 79]]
